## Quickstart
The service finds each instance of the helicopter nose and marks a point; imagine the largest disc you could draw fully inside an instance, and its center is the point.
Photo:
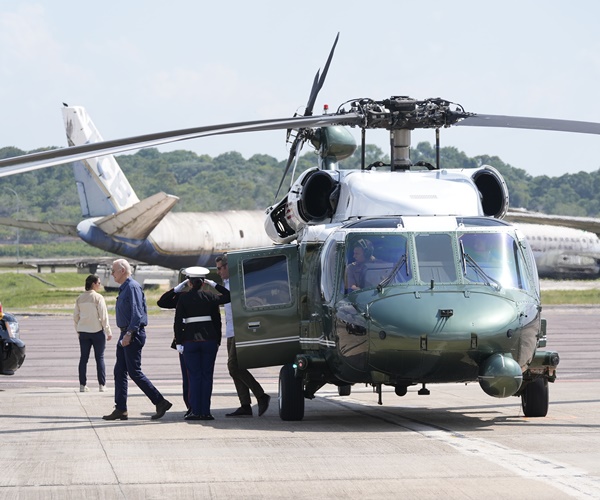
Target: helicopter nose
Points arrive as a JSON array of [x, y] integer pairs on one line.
[[451, 336]]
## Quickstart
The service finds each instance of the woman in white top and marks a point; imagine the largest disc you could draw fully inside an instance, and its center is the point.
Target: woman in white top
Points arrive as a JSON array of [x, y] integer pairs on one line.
[[93, 329]]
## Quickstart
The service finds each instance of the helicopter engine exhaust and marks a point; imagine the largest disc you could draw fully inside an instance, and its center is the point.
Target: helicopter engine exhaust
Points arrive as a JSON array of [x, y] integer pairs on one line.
[[493, 191], [314, 200], [500, 376]]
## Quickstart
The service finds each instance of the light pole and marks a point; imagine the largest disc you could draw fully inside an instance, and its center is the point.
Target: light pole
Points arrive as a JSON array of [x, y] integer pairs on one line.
[[18, 208]]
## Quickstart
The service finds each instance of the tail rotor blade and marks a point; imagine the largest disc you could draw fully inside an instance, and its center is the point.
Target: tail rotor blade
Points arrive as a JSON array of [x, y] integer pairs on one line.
[[319, 81]]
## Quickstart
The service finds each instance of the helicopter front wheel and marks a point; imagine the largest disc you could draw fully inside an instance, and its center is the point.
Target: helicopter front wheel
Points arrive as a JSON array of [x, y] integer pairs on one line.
[[291, 394], [344, 390], [535, 398]]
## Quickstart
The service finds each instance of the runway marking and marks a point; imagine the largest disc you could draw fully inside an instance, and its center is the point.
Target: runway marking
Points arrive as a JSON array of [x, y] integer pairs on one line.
[[570, 480]]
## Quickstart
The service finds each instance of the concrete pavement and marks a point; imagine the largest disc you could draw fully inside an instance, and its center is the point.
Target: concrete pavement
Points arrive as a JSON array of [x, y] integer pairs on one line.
[[456, 443]]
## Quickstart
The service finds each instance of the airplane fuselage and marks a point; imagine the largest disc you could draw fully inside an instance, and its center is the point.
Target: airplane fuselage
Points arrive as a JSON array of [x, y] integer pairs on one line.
[[184, 239], [562, 252]]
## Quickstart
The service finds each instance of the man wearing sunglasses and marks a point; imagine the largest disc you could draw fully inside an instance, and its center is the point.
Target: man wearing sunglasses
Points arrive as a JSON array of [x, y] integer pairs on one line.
[[242, 378]]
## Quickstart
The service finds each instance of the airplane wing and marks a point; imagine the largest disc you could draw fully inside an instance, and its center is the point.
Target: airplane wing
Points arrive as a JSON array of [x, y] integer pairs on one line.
[[138, 221], [590, 224], [47, 227]]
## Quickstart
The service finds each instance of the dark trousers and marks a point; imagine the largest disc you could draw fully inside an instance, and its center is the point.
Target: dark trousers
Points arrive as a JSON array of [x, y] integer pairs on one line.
[[86, 342], [242, 378], [185, 381], [129, 362], [200, 360]]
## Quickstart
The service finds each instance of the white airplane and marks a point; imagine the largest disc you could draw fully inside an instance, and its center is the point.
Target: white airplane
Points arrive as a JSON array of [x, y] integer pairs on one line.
[[115, 220], [562, 247]]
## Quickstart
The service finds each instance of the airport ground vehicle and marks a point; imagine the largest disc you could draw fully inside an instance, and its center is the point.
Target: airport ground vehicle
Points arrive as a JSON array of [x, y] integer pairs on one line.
[[13, 348]]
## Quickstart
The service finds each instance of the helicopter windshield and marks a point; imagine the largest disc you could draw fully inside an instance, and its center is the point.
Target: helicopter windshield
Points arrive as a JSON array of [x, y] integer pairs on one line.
[[492, 258], [375, 258]]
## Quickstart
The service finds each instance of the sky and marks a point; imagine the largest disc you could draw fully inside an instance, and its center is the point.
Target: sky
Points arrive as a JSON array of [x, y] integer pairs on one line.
[[142, 66]]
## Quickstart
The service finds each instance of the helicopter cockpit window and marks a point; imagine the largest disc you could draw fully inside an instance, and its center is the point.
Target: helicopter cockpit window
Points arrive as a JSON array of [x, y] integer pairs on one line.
[[266, 281], [435, 258], [492, 257], [328, 269], [371, 259]]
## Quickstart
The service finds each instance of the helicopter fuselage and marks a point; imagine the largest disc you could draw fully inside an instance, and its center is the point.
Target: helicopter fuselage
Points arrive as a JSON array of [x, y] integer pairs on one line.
[[456, 302]]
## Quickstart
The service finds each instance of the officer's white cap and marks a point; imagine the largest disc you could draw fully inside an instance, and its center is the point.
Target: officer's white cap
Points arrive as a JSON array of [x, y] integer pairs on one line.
[[196, 272]]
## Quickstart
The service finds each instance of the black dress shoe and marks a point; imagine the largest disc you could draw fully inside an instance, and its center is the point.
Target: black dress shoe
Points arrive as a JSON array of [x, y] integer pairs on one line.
[[116, 415], [161, 409], [192, 416], [263, 404], [187, 413], [207, 417], [242, 411]]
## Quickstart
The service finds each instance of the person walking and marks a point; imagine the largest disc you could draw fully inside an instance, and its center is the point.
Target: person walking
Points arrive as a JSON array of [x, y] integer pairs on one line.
[[198, 335], [93, 330], [132, 318], [243, 380]]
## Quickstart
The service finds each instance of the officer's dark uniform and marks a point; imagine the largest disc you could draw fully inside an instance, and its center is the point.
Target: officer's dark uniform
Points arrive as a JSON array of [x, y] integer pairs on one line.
[[168, 300], [198, 329]]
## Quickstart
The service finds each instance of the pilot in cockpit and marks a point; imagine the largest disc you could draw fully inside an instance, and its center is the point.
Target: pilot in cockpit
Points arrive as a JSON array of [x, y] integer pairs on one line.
[[355, 271]]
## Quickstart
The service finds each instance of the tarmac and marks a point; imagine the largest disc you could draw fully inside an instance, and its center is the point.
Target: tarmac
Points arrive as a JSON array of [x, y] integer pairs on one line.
[[455, 443]]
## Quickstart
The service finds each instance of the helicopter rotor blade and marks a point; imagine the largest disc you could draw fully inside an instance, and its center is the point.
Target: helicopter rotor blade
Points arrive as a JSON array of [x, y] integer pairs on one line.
[[524, 122], [294, 150], [35, 161]]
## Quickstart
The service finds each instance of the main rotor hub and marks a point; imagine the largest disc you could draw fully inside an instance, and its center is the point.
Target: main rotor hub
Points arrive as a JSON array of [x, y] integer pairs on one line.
[[402, 112]]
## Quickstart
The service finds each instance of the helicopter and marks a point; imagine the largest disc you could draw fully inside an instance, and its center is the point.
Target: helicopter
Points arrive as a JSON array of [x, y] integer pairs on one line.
[[395, 275]]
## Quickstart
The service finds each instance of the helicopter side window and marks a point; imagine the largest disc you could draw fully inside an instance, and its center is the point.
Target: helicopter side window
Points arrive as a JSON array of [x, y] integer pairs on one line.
[[435, 258], [266, 281], [328, 269]]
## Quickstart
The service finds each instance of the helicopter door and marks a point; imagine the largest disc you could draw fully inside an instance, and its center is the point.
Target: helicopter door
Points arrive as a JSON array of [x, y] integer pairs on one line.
[[264, 302]]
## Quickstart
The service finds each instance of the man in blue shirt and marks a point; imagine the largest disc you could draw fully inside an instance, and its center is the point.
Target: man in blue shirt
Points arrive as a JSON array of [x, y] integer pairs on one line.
[[132, 318]]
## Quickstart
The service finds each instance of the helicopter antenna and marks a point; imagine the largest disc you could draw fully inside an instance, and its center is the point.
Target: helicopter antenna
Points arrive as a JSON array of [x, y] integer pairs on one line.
[[363, 137], [437, 148]]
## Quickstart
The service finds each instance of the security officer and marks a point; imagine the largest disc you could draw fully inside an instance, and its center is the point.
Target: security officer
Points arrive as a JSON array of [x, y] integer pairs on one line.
[[168, 300], [198, 335]]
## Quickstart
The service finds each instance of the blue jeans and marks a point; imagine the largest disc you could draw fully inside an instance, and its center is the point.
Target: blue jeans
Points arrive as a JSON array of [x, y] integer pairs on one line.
[[86, 342], [200, 360], [129, 362]]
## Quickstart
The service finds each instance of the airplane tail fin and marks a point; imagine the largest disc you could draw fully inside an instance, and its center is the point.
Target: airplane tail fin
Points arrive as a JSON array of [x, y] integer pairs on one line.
[[102, 186], [138, 221]]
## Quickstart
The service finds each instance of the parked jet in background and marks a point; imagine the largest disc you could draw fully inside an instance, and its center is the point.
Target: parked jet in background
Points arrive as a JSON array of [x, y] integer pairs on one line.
[[564, 247], [115, 220]]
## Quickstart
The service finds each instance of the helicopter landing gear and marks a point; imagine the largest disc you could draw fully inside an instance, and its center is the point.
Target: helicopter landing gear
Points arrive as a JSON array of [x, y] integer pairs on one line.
[[291, 394], [423, 391], [344, 390], [535, 398]]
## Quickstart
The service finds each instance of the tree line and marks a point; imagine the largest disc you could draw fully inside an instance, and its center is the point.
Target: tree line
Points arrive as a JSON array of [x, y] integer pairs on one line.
[[229, 181]]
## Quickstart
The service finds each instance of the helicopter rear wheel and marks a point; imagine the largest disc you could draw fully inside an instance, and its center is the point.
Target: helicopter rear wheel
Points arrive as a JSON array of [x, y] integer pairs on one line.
[[535, 398], [291, 394], [344, 390]]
